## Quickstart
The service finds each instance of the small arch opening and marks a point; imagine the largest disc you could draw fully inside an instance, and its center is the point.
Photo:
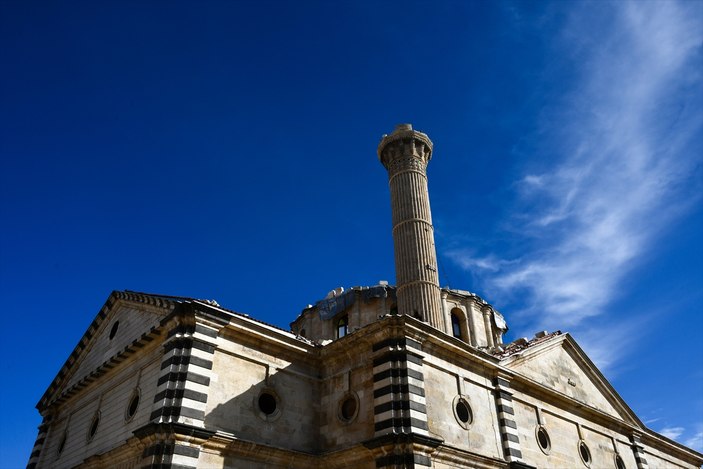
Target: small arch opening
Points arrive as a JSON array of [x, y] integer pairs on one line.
[[619, 463], [462, 412], [267, 403], [132, 406], [585, 453], [62, 444], [543, 440], [94, 425], [342, 326], [113, 331], [348, 408], [460, 328], [456, 326]]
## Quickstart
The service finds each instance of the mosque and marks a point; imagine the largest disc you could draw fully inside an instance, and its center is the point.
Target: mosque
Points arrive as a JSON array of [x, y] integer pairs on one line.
[[381, 376]]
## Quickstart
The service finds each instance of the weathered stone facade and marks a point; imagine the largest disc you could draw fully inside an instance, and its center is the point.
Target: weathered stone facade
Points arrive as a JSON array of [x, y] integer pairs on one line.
[[360, 381]]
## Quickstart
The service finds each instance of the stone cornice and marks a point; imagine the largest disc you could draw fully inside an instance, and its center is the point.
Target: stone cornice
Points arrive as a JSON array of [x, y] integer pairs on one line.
[[600, 381], [115, 299], [421, 146], [103, 368], [276, 339], [401, 133], [521, 384], [457, 457], [198, 434]]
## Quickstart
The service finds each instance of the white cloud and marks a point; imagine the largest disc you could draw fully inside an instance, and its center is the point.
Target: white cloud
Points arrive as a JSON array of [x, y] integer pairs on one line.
[[467, 260], [623, 136], [672, 432], [695, 441]]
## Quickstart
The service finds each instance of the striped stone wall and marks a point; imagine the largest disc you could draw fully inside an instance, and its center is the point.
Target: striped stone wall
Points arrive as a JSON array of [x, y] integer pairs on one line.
[[506, 419], [182, 392], [638, 450], [399, 399]]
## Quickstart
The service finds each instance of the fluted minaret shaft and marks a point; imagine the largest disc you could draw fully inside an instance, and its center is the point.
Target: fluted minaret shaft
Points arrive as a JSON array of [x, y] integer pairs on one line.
[[405, 154]]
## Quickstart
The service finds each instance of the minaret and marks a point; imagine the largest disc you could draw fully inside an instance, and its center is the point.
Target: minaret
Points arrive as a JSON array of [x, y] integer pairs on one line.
[[405, 154]]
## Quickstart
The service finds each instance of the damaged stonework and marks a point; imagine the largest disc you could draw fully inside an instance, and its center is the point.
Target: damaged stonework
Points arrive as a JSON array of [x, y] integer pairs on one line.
[[464, 315]]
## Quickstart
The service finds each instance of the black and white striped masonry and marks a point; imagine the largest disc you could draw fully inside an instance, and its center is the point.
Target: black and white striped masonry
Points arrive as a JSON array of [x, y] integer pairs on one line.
[[169, 450], [399, 398], [506, 419], [181, 393], [638, 450]]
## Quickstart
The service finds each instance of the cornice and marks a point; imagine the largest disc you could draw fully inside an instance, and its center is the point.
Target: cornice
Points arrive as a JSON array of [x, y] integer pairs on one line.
[[115, 299], [402, 134], [92, 375]]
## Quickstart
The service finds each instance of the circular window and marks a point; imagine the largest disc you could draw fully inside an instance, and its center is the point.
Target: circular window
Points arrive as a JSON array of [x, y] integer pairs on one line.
[[268, 405], [585, 453], [462, 411], [543, 440], [348, 408], [133, 405], [619, 463], [62, 444], [94, 425], [113, 331]]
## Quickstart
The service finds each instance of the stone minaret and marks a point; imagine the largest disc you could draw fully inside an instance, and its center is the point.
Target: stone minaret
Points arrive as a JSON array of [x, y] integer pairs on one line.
[[405, 154]]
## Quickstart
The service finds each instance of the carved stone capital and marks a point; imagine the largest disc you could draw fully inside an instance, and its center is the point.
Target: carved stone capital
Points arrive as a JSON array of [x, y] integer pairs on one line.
[[405, 148]]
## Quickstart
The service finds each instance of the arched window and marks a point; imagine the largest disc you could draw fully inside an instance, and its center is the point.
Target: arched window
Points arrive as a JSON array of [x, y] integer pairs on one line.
[[456, 326], [460, 328], [342, 326]]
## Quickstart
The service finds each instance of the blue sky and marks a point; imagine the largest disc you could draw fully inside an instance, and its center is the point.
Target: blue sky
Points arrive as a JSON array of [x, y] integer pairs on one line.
[[226, 150]]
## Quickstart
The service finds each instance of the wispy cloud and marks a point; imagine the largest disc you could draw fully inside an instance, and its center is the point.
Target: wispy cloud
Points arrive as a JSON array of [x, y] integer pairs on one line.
[[695, 441], [691, 437], [672, 432], [623, 137]]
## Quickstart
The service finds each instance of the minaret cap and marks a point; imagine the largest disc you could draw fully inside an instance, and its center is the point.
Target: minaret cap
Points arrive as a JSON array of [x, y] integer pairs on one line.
[[402, 132]]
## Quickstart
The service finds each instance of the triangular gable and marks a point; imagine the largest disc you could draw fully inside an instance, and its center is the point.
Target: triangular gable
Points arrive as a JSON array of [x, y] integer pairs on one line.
[[561, 365], [127, 318]]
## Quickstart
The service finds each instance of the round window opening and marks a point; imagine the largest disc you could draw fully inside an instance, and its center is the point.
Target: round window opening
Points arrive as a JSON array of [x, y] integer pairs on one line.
[[62, 445], [585, 453], [94, 426], [348, 408], [113, 331], [619, 463], [463, 412], [267, 403], [543, 440], [133, 405]]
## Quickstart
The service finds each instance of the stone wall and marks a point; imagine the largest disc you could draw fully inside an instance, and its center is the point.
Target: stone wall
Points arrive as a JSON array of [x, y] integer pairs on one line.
[[110, 397]]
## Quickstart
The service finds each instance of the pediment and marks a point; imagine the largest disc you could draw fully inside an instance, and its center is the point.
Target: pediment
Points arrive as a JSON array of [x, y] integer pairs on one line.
[[562, 366], [126, 319]]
